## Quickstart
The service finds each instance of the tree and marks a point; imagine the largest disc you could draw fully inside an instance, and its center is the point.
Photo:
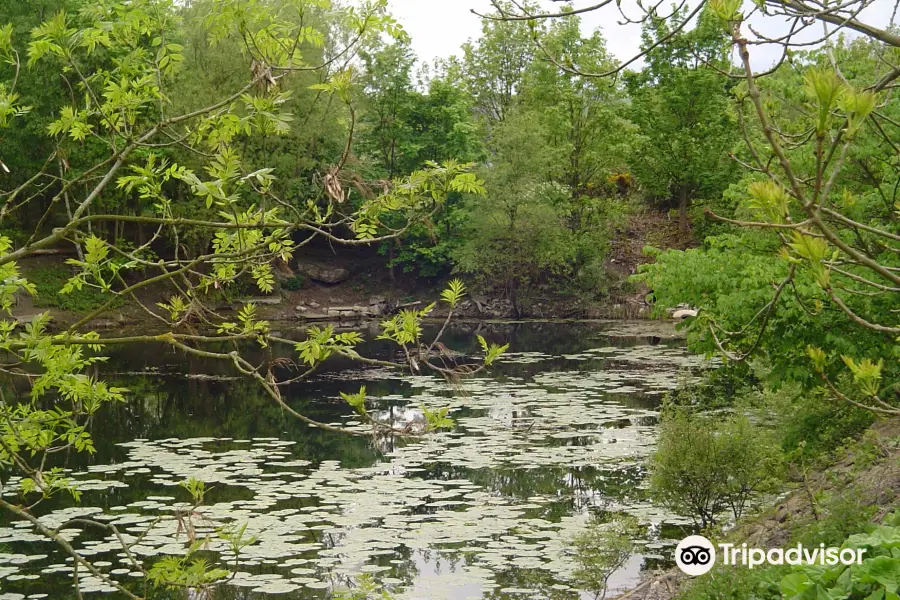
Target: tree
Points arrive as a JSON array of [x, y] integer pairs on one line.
[[813, 222], [124, 128], [684, 115], [387, 83], [406, 129], [496, 65], [585, 129], [703, 467], [601, 550]]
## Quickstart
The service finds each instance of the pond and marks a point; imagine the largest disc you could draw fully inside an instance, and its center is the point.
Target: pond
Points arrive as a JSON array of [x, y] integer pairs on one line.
[[557, 431]]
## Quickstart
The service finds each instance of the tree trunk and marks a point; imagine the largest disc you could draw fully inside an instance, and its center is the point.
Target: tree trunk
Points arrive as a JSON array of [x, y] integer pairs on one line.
[[513, 289], [391, 263], [682, 208]]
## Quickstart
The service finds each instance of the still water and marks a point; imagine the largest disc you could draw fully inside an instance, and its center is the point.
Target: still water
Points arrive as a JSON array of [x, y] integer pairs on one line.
[[558, 431]]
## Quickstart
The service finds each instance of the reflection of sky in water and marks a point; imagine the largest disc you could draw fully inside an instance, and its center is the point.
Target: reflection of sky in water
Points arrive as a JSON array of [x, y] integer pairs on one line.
[[484, 511]]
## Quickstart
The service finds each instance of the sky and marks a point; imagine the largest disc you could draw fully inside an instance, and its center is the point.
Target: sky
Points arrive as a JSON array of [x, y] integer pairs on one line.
[[439, 27]]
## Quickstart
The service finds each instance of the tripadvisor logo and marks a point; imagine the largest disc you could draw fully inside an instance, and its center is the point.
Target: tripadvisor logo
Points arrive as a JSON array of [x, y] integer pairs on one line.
[[695, 555]]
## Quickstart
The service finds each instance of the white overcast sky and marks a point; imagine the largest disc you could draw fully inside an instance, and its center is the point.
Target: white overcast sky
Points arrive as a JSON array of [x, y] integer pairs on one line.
[[439, 27]]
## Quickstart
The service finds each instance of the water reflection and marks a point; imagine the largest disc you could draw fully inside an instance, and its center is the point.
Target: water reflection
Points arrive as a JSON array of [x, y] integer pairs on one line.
[[559, 430]]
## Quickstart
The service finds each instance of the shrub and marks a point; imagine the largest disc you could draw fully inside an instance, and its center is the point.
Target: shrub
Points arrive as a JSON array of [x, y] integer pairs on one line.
[[812, 423], [736, 583], [876, 578], [838, 516], [292, 284], [704, 466]]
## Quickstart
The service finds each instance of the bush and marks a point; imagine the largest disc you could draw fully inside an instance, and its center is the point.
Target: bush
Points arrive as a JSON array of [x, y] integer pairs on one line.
[[704, 466], [838, 516], [50, 280], [736, 583], [811, 424], [292, 284], [877, 578]]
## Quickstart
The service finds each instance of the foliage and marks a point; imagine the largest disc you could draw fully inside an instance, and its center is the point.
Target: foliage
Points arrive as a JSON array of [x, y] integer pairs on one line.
[[812, 424], [437, 419], [195, 147], [704, 466], [812, 296], [727, 582], [525, 232], [839, 515], [174, 571], [49, 282], [686, 124], [878, 576], [495, 66], [156, 163], [293, 283]]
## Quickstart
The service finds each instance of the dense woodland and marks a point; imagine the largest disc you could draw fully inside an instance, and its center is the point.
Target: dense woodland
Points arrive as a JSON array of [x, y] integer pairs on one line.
[[196, 147]]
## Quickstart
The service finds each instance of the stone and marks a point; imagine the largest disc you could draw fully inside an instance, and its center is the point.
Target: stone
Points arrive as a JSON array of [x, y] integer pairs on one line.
[[313, 315], [376, 300], [350, 311], [684, 313], [270, 300], [481, 302], [322, 273], [313, 304]]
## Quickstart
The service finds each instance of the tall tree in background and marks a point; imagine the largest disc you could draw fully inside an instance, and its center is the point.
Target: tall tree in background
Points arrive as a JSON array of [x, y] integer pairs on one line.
[[389, 94], [686, 119], [587, 133], [495, 66]]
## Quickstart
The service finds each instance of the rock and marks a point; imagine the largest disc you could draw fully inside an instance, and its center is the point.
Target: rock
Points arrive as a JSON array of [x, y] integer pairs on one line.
[[376, 300], [322, 273], [271, 300], [313, 304], [313, 315], [351, 311], [480, 302], [105, 324], [684, 313]]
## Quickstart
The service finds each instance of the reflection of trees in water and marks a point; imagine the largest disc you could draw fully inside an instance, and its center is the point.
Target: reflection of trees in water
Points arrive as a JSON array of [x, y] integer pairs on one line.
[[533, 579], [586, 487], [160, 407]]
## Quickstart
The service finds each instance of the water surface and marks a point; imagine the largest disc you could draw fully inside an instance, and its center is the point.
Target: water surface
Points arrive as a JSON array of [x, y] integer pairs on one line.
[[558, 431]]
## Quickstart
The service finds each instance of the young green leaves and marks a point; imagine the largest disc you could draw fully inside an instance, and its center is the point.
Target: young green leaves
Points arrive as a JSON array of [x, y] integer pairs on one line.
[[437, 419], [866, 374], [813, 250], [322, 342], [491, 351], [768, 199], [356, 401], [454, 293], [421, 192]]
